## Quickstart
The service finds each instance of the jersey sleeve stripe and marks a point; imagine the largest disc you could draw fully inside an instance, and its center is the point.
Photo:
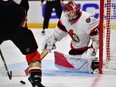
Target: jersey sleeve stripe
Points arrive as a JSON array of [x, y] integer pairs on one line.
[[61, 26]]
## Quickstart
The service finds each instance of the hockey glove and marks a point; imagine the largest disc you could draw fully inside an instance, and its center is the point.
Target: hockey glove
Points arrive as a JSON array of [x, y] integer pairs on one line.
[[49, 43]]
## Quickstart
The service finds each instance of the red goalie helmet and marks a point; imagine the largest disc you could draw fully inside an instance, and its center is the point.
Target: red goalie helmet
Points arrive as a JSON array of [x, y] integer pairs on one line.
[[71, 10]]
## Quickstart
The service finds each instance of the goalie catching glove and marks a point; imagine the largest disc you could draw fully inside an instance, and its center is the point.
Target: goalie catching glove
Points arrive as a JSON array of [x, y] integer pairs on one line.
[[49, 42]]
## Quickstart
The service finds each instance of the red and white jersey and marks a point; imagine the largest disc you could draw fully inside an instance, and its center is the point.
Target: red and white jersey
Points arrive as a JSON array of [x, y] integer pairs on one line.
[[81, 30]]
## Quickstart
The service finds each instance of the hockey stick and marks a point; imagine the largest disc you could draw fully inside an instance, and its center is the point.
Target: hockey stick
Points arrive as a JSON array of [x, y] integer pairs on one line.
[[43, 54], [9, 73]]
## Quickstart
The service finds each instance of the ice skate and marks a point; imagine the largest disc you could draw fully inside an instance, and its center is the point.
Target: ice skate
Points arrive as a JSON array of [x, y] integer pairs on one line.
[[35, 82], [35, 79], [43, 31]]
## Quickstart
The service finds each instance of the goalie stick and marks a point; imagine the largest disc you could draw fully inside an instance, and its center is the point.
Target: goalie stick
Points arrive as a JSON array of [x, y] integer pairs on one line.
[[43, 54], [9, 73]]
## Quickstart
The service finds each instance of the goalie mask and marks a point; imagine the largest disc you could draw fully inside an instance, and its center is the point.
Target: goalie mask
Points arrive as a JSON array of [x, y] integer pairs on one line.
[[71, 10]]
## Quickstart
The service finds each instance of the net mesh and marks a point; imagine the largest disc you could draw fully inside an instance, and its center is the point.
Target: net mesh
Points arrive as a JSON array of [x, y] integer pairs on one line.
[[108, 11]]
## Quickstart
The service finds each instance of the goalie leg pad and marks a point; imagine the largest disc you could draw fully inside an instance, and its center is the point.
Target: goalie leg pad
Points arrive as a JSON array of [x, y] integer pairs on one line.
[[61, 60], [72, 63]]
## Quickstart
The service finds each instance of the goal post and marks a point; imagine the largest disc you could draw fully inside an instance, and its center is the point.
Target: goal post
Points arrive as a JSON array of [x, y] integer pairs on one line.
[[101, 36], [107, 50]]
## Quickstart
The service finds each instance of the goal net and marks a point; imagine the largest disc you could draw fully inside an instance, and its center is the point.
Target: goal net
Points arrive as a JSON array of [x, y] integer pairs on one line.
[[107, 51]]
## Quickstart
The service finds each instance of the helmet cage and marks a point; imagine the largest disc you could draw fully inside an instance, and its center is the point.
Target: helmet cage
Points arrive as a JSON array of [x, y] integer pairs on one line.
[[72, 14], [71, 10]]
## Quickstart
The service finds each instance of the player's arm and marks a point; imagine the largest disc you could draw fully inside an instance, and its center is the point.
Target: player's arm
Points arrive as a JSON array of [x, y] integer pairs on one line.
[[52, 37], [95, 38], [93, 31], [60, 31]]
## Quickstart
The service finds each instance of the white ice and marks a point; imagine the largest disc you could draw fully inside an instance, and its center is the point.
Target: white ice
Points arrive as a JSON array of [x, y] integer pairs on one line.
[[52, 77]]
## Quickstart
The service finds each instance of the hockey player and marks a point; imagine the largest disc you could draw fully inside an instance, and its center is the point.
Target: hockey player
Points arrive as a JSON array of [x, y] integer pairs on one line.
[[12, 16], [82, 27]]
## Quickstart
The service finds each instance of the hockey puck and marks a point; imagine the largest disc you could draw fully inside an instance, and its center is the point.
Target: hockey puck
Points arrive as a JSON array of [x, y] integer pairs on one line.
[[22, 82]]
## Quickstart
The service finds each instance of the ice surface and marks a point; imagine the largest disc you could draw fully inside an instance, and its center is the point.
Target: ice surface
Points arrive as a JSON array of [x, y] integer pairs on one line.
[[52, 77]]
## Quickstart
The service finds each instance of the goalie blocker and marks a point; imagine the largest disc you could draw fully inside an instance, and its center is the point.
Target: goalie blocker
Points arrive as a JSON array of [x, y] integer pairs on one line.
[[75, 63]]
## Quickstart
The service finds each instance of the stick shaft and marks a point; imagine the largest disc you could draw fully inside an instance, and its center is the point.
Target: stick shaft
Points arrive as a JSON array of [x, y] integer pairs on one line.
[[5, 65]]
